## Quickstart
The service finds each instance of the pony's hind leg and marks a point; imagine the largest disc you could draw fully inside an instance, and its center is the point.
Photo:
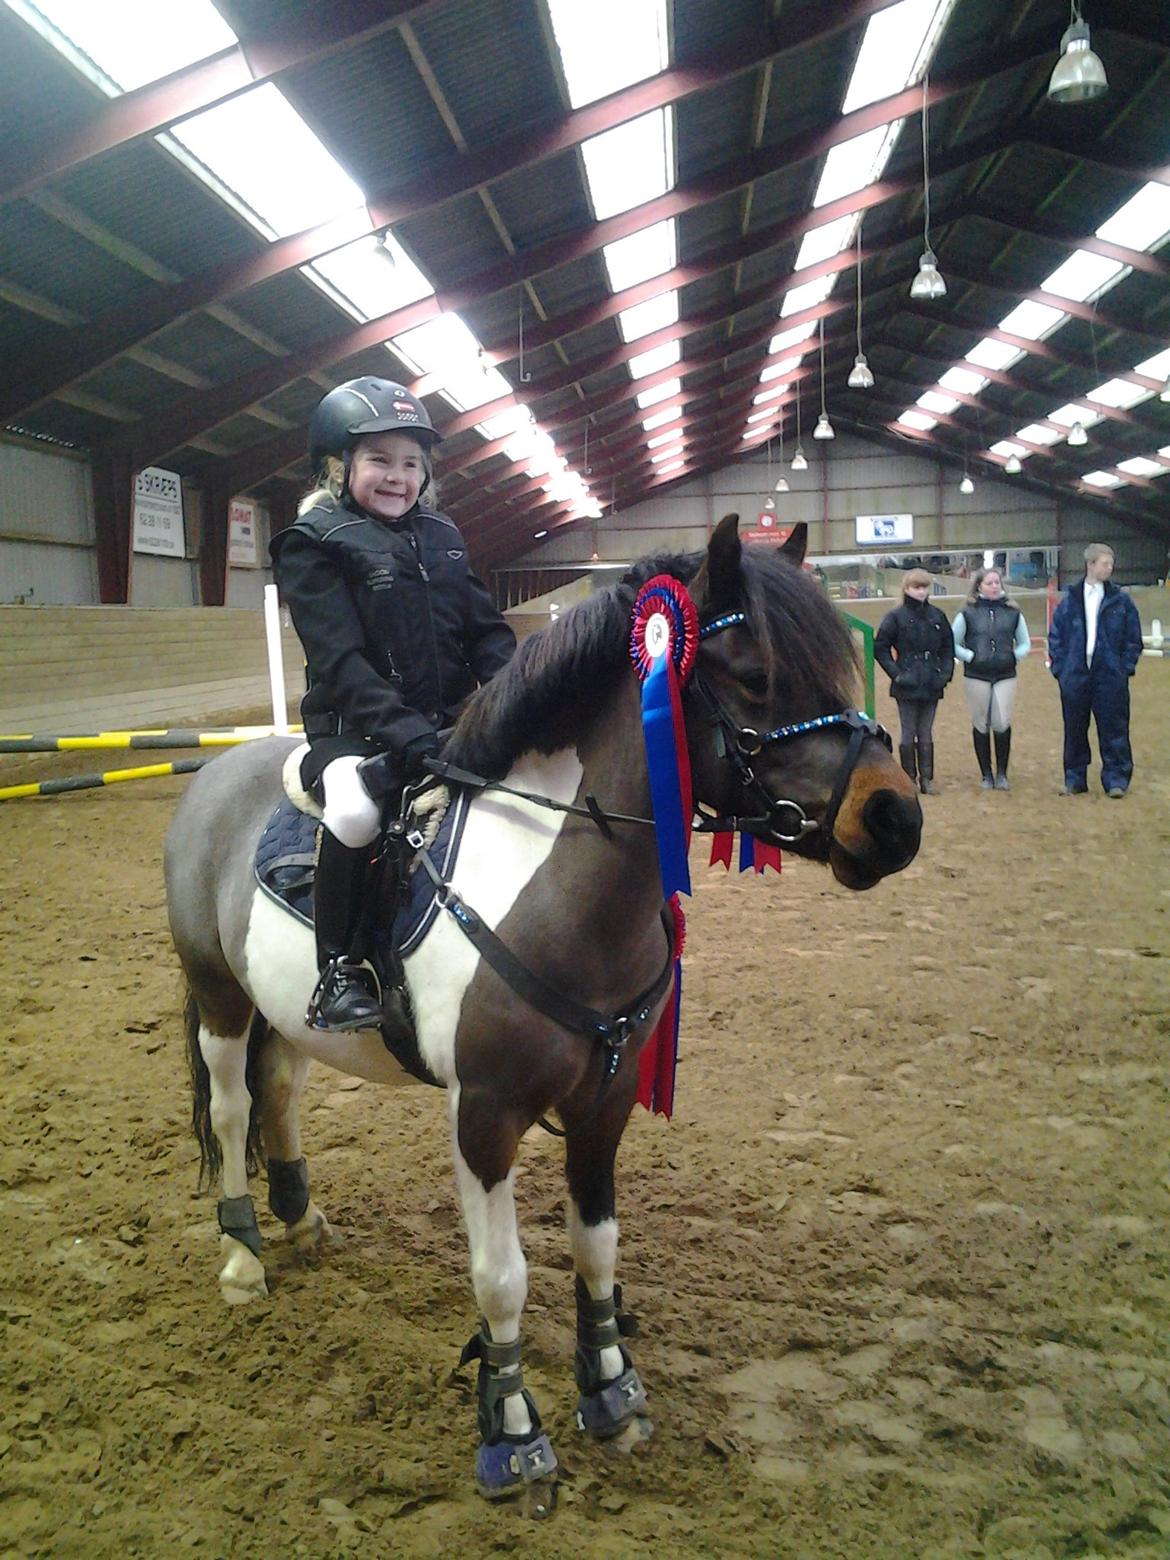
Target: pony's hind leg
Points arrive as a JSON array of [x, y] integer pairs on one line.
[[218, 1041], [280, 1071], [612, 1404], [514, 1454]]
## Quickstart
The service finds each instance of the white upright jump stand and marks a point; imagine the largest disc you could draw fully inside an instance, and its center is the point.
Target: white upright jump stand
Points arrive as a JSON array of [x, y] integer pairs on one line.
[[275, 660]]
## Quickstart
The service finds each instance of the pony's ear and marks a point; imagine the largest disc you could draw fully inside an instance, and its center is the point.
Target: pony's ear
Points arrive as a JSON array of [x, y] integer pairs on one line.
[[716, 585], [796, 544]]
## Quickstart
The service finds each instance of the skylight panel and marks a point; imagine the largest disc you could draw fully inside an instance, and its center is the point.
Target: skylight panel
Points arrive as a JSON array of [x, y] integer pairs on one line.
[[648, 398], [630, 164], [1142, 466], [790, 338], [850, 166], [993, 354], [1072, 413], [658, 357], [264, 152], [649, 252], [916, 419], [894, 50], [666, 454], [375, 277], [1156, 367], [655, 314], [1005, 447], [785, 366], [767, 415], [660, 439], [1032, 320], [1143, 222], [932, 401], [1119, 392], [823, 242], [659, 419], [593, 64], [770, 394], [430, 347], [674, 465], [133, 42], [807, 296], [1103, 479], [1083, 276], [1037, 433], [963, 380]]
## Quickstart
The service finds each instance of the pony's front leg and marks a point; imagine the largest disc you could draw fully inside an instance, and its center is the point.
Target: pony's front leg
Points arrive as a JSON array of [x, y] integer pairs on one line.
[[514, 1454], [242, 1275], [612, 1404], [281, 1070]]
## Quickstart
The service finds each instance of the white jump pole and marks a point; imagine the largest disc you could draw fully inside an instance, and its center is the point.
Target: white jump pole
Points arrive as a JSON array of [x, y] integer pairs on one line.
[[275, 660]]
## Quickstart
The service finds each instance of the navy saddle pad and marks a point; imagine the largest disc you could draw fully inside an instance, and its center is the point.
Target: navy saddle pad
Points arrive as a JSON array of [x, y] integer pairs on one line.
[[285, 866]]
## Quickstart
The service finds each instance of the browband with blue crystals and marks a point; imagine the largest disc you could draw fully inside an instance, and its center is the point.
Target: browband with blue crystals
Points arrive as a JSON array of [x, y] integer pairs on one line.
[[728, 620]]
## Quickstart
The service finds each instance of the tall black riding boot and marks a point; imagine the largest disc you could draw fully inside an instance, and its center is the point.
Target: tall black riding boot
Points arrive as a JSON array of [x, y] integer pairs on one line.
[[1003, 751], [926, 768], [983, 754], [909, 763], [344, 997]]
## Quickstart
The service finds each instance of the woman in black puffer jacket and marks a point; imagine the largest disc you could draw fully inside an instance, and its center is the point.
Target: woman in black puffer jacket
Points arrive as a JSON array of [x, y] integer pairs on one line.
[[915, 649]]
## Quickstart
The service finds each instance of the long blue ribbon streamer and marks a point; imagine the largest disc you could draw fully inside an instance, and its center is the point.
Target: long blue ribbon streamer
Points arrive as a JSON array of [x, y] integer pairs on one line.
[[665, 788]]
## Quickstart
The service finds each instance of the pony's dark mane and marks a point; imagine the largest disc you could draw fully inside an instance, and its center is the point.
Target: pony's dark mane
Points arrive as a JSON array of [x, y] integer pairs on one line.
[[561, 676]]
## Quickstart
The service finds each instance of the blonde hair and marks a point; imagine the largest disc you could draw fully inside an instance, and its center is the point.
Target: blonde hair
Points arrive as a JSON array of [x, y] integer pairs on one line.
[[1097, 550], [327, 490]]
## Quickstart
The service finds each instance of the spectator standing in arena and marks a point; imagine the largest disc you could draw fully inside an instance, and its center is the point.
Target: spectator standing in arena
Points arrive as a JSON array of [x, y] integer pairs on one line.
[[1094, 646], [991, 638], [915, 650]]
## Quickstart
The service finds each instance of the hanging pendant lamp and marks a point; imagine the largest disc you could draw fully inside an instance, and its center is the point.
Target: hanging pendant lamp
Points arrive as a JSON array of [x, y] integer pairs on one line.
[[860, 375], [799, 463], [1078, 76], [1077, 435], [966, 485], [781, 483], [824, 428], [928, 283], [1012, 465]]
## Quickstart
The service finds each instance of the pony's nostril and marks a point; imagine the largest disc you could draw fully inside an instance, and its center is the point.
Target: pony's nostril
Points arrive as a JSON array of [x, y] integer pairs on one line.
[[895, 824]]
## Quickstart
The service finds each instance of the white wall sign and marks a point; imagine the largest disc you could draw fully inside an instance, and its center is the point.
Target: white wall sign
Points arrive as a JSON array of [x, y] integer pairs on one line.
[[882, 530], [157, 513], [243, 541]]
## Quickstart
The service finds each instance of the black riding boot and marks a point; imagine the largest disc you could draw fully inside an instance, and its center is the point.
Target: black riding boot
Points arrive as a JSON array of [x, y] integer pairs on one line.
[[344, 997], [983, 754], [926, 769], [1003, 750], [906, 754]]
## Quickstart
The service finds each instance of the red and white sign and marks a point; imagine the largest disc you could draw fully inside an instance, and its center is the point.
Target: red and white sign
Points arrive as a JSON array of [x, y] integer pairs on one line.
[[768, 529], [243, 538]]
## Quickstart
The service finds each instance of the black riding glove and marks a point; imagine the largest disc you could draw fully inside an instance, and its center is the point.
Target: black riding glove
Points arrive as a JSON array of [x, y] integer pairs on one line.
[[414, 755]]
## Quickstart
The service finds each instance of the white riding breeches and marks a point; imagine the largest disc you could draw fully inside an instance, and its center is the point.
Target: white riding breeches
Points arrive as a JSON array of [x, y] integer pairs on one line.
[[350, 812], [991, 704]]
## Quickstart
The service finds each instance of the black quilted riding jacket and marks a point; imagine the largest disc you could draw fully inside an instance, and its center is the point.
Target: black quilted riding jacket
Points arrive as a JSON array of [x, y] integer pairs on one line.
[[397, 629]]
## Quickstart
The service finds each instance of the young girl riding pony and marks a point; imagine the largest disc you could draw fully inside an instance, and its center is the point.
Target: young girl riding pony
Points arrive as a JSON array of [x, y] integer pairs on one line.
[[397, 631]]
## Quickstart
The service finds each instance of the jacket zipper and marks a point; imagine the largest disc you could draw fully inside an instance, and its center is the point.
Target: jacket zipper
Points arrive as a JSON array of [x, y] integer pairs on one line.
[[426, 579]]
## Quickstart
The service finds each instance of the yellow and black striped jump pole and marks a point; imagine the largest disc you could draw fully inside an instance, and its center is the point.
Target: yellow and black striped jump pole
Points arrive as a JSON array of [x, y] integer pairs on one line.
[[176, 737], [182, 766]]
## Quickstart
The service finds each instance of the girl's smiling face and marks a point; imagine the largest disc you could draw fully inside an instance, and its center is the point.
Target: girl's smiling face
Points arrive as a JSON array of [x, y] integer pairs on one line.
[[387, 473]]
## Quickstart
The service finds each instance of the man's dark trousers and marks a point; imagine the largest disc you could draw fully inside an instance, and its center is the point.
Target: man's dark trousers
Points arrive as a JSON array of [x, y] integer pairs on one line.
[[1106, 698]]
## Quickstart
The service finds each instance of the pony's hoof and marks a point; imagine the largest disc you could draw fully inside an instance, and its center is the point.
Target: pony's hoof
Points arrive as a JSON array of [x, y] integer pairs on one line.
[[606, 1412], [241, 1279], [311, 1234], [514, 1467], [634, 1434]]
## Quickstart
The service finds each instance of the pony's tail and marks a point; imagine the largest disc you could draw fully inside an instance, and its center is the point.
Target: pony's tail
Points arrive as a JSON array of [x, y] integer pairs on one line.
[[210, 1156]]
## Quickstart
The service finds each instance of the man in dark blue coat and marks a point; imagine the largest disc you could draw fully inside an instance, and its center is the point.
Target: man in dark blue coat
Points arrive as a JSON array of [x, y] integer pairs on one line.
[[1094, 646]]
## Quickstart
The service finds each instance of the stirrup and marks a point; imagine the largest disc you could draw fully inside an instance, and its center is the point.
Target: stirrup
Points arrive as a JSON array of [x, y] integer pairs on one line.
[[341, 971]]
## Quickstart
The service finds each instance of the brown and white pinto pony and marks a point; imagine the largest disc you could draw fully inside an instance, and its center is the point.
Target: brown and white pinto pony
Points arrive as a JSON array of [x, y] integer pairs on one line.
[[577, 905]]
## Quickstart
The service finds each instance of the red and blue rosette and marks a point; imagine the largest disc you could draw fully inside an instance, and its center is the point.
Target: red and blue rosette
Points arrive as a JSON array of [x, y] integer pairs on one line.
[[664, 639], [754, 854], [659, 1059]]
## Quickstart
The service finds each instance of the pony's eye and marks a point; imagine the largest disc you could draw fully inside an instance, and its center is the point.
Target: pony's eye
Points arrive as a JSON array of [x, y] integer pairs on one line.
[[756, 684]]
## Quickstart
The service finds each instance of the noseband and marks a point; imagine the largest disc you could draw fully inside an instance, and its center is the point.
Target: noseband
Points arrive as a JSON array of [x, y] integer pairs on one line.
[[782, 819]]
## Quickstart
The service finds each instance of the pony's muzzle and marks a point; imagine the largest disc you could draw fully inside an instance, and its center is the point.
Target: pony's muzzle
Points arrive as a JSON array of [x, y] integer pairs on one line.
[[887, 841]]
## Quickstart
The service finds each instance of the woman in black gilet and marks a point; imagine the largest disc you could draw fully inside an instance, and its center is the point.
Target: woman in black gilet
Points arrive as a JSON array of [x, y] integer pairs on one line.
[[991, 638]]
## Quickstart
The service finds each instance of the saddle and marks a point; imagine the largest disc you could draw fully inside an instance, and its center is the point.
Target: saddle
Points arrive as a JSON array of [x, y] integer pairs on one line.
[[285, 868]]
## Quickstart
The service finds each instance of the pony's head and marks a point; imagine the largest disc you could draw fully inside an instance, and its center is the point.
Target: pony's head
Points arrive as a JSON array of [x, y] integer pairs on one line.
[[773, 736]]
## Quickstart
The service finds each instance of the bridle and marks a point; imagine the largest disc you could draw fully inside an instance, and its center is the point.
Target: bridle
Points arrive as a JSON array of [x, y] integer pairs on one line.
[[782, 818]]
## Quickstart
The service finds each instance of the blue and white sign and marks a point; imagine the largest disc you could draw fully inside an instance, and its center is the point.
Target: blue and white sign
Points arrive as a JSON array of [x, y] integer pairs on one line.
[[158, 513], [884, 530]]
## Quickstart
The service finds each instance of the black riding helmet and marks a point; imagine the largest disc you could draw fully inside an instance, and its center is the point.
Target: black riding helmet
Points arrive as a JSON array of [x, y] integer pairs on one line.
[[367, 406]]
